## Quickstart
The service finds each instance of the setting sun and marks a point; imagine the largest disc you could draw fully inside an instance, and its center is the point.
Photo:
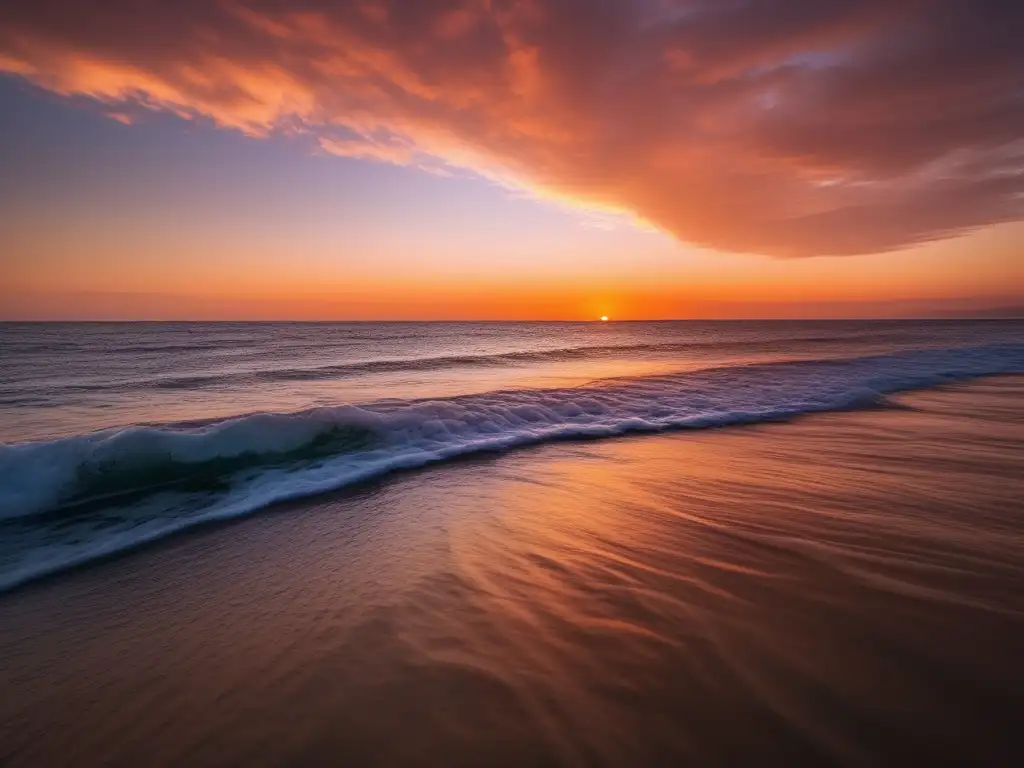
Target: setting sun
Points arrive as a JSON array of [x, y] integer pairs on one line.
[[331, 269]]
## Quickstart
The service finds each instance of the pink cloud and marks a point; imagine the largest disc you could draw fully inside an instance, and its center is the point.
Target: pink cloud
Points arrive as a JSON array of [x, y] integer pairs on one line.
[[790, 129]]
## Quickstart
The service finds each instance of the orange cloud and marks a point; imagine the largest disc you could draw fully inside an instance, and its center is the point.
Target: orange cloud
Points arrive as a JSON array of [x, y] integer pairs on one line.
[[806, 128]]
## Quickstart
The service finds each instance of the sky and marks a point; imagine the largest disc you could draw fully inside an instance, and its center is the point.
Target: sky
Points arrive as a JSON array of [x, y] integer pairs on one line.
[[511, 159]]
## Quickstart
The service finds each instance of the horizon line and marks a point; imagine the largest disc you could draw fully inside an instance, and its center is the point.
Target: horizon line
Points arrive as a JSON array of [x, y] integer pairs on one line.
[[595, 321]]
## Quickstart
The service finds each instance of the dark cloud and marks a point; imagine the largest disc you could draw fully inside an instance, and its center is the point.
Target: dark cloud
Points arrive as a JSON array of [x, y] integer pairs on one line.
[[791, 128]]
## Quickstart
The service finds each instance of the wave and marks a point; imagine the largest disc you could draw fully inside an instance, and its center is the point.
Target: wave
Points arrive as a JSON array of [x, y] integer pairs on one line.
[[151, 481], [442, 362]]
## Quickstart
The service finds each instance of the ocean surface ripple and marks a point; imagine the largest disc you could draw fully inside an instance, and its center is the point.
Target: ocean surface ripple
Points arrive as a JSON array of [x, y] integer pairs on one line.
[[72, 499]]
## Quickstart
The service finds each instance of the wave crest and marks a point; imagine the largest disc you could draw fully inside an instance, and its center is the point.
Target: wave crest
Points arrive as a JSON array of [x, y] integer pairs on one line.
[[250, 461]]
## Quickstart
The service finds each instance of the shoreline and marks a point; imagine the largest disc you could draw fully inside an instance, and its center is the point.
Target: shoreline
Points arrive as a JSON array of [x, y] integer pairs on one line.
[[840, 588], [883, 402]]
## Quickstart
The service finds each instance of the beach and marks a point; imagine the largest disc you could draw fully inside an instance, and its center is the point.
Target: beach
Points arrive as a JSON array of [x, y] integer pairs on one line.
[[526, 383], [841, 588]]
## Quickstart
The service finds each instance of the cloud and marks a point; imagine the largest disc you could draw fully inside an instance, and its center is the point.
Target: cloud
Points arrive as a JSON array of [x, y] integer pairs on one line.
[[796, 128]]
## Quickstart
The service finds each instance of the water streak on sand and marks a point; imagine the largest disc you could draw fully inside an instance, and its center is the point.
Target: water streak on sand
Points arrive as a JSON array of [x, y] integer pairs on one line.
[[842, 590]]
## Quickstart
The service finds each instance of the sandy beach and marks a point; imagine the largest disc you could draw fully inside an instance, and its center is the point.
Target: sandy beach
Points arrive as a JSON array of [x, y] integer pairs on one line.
[[845, 588], [583, 383]]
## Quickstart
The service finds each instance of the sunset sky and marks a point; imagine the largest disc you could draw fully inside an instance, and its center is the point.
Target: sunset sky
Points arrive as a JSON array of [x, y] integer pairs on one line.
[[510, 159]]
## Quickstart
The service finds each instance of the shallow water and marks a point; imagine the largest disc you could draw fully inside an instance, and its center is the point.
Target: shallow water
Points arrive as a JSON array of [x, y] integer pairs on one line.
[[845, 589], [122, 434], [62, 379]]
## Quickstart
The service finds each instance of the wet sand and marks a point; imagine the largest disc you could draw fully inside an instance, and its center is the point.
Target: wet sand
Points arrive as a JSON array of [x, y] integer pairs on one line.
[[845, 589]]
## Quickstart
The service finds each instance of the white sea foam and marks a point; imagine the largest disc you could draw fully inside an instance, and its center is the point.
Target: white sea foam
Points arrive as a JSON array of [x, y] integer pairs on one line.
[[265, 458]]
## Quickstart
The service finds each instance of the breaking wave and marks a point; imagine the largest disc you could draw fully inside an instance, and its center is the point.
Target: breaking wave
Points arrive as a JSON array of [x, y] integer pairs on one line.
[[149, 481]]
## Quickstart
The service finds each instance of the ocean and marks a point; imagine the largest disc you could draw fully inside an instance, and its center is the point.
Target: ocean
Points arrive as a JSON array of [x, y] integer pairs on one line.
[[702, 543], [118, 434]]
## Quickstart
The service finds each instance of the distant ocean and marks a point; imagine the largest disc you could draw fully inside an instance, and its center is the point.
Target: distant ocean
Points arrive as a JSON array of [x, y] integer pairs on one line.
[[115, 434]]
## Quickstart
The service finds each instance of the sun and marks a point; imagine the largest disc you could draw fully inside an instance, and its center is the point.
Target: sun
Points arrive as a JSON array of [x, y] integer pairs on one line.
[[604, 318]]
